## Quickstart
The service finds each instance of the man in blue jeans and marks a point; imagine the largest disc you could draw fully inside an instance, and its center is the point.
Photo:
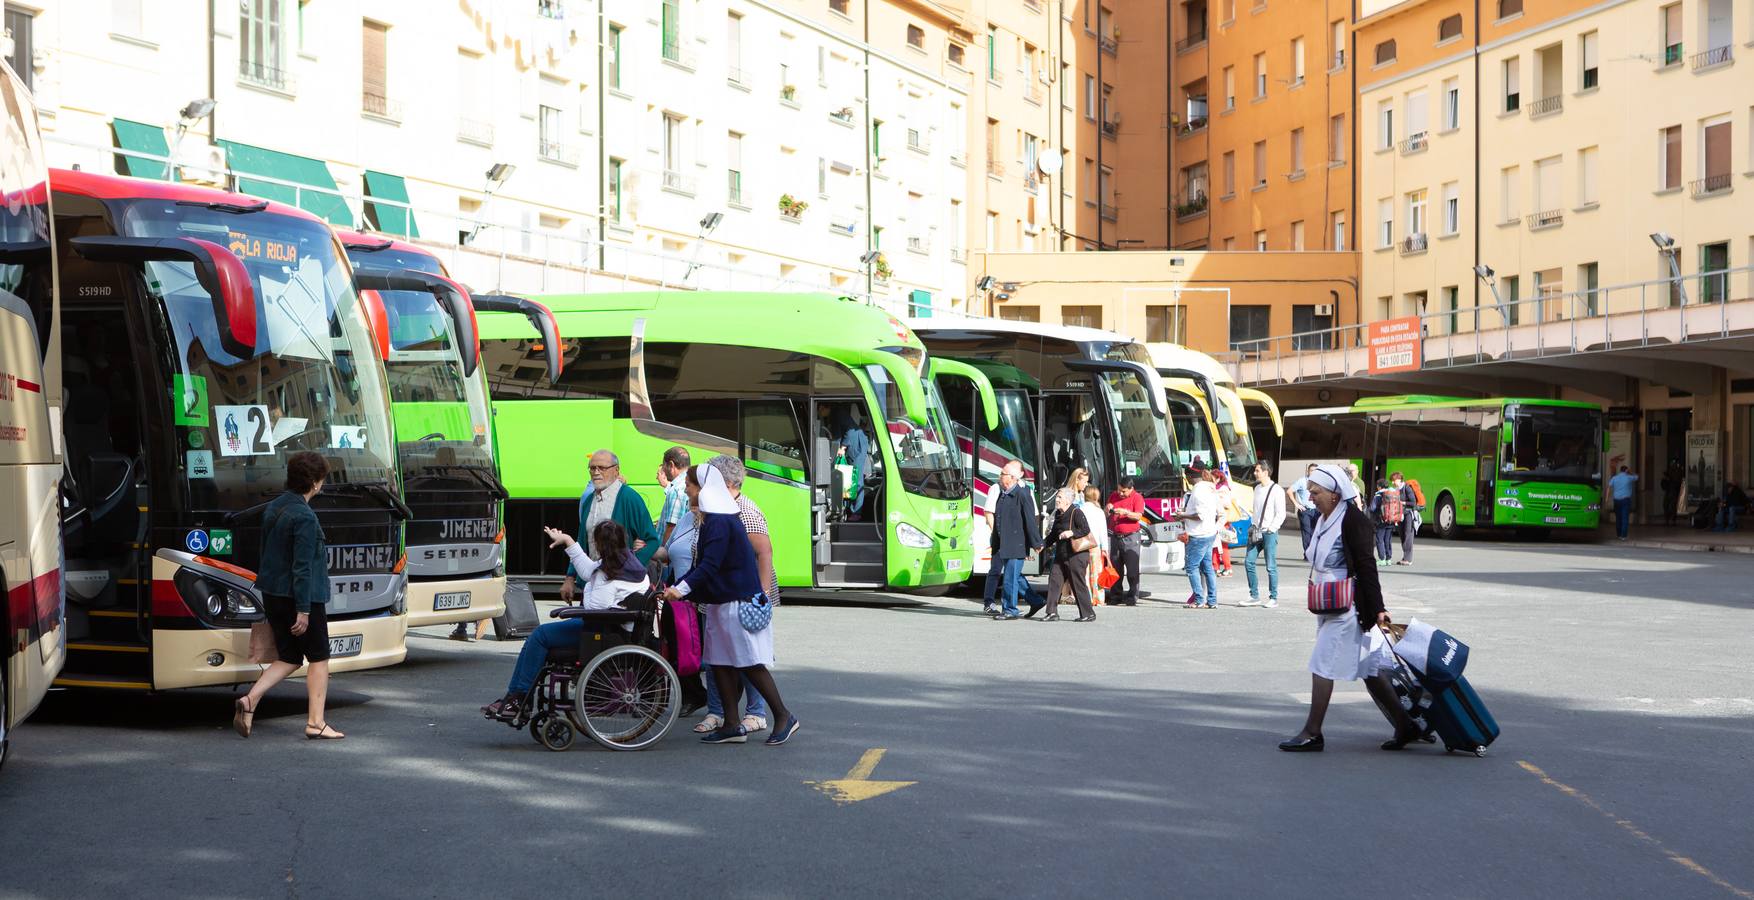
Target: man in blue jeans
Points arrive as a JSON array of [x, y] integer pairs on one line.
[[1269, 514], [996, 570], [1200, 517], [1016, 535], [1621, 487]]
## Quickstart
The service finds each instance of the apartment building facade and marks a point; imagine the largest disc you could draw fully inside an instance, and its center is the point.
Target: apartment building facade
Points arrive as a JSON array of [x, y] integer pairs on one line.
[[754, 144]]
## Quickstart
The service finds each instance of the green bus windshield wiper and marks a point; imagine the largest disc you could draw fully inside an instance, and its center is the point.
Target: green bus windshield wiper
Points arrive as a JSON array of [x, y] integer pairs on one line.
[[481, 473]]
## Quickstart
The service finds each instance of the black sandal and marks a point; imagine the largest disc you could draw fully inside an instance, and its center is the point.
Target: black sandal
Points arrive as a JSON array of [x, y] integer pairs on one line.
[[243, 718], [505, 709]]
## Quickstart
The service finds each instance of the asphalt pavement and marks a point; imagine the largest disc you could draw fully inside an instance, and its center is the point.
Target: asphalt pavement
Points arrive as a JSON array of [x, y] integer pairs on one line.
[[1133, 756]]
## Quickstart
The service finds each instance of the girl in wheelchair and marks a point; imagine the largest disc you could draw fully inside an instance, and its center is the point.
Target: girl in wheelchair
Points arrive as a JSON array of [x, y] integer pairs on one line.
[[607, 581]]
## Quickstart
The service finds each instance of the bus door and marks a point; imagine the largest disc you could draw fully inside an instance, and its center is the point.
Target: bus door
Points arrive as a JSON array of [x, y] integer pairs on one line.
[[1373, 467], [1072, 437], [1266, 427], [847, 495]]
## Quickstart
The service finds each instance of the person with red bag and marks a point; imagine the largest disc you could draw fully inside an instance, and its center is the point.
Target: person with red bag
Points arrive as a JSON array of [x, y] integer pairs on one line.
[[1346, 597]]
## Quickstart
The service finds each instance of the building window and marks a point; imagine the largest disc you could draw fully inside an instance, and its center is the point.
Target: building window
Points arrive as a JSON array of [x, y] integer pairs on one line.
[[1337, 44], [1513, 88], [1229, 173], [1385, 222], [548, 133], [1385, 125], [374, 68], [1297, 60], [614, 62], [1081, 316], [1297, 151], [992, 52], [958, 55], [1385, 52], [1418, 117], [1672, 34], [1260, 164], [734, 48], [1508, 8], [1337, 225], [822, 176], [1337, 139], [1452, 105], [1451, 300], [1311, 329], [1260, 75], [671, 29], [1416, 215], [1452, 208], [734, 168], [1260, 241], [1450, 28], [1166, 324], [916, 37], [1588, 279], [261, 43], [1586, 176], [672, 147], [1020, 313], [1297, 235], [1229, 87], [1249, 326], [613, 189], [21, 27], [1588, 48], [1513, 295], [1229, 244], [1090, 97], [1508, 208], [1669, 158], [1714, 143]]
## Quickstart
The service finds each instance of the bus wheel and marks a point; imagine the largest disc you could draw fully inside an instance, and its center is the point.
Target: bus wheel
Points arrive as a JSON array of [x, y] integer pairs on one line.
[[1443, 524]]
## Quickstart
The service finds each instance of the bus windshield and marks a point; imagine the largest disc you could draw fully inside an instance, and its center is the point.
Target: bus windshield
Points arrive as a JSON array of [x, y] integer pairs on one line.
[[312, 382], [1015, 437], [924, 455], [1147, 452], [1239, 449], [1553, 443], [1192, 440]]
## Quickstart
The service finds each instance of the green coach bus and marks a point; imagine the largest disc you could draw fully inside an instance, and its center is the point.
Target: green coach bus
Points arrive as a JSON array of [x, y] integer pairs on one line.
[[778, 380], [1502, 461]]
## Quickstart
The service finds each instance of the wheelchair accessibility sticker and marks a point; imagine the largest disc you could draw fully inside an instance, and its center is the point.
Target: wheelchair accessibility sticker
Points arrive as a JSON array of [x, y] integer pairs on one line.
[[196, 541]]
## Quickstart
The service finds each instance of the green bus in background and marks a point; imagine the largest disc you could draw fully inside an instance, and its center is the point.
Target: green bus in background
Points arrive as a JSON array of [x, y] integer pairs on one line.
[[1514, 462], [778, 380]]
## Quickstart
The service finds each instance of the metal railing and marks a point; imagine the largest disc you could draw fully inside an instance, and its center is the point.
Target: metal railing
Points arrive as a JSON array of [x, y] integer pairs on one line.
[[1109, 44], [1414, 143], [1553, 324], [1546, 218], [995, 168], [266, 76], [1190, 42], [553, 151], [1110, 128], [1546, 106], [676, 181], [1414, 243], [1192, 126], [1716, 56], [1191, 208], [377, 104], [1710, 184], [918, 244], [916, 140], [475, 131], [733, 186], [1109, 213]]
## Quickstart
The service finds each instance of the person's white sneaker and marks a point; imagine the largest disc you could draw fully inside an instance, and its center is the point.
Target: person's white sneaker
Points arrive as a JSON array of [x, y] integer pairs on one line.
[[1270, 604], [1252, 601]]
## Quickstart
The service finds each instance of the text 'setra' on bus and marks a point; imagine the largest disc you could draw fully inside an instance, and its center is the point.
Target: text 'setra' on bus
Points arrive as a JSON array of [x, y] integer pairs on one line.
[[208, 337]]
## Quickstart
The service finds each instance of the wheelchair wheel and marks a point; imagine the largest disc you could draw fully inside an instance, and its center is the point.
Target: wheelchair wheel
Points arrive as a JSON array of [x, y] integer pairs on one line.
[[627, 698], [553, 732]]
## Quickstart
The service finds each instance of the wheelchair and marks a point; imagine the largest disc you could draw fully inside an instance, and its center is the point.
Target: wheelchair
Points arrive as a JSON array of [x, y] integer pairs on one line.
[[614, 685]]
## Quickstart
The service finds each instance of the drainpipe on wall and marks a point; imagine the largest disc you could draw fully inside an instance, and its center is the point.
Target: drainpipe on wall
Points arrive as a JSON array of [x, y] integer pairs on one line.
[[870, 162], [602, 141], [1477, 212]]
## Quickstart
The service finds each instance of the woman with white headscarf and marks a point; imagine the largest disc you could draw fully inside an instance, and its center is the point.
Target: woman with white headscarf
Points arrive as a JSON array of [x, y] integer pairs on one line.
[[724, 574], [1349, 644]]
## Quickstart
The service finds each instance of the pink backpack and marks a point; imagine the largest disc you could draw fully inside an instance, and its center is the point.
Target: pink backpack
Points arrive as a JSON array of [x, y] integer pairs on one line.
[[682, 644]]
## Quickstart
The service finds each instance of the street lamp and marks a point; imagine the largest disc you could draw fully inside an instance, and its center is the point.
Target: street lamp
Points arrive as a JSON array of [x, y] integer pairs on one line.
[[1488, 277], [708, 222], [497, 175], [193, 112], [1672, 253]]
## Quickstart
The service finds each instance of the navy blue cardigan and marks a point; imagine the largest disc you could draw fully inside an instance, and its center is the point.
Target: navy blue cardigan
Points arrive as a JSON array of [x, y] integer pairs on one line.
[[724, 563]]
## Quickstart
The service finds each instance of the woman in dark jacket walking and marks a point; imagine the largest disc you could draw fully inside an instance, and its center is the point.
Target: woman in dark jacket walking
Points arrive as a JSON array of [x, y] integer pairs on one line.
[[294, 580], [1071, 558], [724, 574], [1349, 643]]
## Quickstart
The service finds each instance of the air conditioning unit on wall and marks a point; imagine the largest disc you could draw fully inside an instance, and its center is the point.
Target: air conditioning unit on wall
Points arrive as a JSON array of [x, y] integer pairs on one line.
[[1324, 309], [202, 164]]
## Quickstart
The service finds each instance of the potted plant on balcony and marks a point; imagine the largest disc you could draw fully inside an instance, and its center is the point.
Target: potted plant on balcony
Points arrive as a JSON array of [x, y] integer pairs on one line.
[[792, 207], [880, 269]]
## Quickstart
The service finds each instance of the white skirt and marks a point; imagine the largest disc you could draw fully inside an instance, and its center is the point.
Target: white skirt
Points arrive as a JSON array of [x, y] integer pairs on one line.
[[726, 643], [1344, 653]]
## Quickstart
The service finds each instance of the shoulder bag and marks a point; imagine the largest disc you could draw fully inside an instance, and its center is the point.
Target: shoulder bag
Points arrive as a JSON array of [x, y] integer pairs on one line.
[[263, 650], [1331, 596]]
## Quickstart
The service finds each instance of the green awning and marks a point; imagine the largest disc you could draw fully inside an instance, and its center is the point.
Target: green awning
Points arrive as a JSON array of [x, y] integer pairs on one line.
[[919, 303], [325, 201], [141, 138], [389, 219]]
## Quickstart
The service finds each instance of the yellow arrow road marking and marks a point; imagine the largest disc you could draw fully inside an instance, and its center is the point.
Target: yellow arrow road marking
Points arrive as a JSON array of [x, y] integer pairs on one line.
[[858, 784]]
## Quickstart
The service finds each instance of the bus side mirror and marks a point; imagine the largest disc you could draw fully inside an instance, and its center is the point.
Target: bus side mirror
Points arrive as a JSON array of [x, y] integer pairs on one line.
[[217, 269], [379, 317], [541, 318], [451, 296]]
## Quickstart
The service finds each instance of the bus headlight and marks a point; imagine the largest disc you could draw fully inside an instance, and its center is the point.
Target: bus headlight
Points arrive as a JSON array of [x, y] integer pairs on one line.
[[216, 602], [1594, 507], [910, 536], [1510, 503]]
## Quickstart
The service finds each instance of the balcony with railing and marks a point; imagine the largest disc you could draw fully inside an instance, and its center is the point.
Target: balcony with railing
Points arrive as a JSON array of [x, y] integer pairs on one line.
[[556, 152], [263, 75], [1711, 185], [1192, 208], [843, 116], [1547, 106], [1111, 127], [474, 131], [1545, 219], [958, 255], [1415, 143], [1031, 182], [1711, 59], [373, 102], [734, 75], [1109, 44], [995, 168], [1537, 338], [1191, 127], [678, 55], [1414, 244], [1034, 93], [920, 244], [917, 141], [678, 183], [1109, 212], [1191, 42], [1338, 61]]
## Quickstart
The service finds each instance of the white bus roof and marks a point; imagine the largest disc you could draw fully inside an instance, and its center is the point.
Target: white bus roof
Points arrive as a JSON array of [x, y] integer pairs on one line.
[[1176, 356], [1077, 333]]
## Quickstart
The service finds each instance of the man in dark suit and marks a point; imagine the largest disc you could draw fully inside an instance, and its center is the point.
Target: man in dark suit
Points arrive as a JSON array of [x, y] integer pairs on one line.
[[1016, 536]]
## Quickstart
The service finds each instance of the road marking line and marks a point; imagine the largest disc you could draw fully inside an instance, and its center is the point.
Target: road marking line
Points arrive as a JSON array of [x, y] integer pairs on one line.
[[1635, 831], [857, 785]]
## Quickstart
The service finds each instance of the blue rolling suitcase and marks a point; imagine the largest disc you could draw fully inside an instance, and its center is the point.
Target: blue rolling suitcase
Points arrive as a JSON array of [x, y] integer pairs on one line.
[[1461, 721]]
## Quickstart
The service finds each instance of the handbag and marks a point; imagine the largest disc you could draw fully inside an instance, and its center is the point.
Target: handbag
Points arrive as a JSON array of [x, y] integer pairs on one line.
[[1330, 596], [1108, 577], [262, 649], [756, 613]]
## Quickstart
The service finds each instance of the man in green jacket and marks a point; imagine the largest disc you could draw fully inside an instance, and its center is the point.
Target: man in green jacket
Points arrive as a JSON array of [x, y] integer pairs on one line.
[[608, 498]]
